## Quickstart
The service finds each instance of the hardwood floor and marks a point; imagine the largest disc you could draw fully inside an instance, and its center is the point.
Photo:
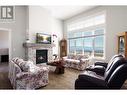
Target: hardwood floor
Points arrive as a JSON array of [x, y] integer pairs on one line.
[[56, 81], [62, 81], [4, 81]]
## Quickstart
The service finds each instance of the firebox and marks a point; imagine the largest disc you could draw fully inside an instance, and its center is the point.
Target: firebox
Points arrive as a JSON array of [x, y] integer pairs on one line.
[[41, 56]]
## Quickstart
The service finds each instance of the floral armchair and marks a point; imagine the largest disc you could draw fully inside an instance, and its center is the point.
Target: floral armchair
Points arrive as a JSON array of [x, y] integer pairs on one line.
[[26, 75]]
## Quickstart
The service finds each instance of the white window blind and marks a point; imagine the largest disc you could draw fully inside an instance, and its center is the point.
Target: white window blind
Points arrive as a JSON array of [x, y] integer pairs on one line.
[[92, 21]]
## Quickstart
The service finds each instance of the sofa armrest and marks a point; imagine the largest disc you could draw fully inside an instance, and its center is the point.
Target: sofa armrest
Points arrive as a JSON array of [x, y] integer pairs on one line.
[[101, 64], [90, 82], [98, 69], [64, 58], [22, 75], [35, 73], [84, 60]]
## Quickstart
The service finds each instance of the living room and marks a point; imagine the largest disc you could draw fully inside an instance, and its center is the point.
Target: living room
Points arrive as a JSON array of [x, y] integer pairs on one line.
[[64, 32]]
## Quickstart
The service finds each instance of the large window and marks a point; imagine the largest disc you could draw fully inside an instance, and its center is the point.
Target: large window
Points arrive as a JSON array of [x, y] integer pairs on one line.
[[71, 46], [88, 45], [87, 36]]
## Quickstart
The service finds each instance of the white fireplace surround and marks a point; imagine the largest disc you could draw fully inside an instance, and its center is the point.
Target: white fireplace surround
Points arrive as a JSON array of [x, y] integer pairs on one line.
[[30, 50]]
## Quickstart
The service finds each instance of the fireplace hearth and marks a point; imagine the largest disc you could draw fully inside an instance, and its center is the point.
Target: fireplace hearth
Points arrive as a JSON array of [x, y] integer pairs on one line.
[[41, 56]]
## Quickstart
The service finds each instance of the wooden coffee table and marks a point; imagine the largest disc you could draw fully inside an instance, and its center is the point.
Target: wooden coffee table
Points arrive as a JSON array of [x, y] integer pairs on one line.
[[59, 66]]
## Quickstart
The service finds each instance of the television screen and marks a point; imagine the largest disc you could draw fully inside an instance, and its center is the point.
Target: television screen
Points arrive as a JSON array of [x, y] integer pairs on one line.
[[43, 38]]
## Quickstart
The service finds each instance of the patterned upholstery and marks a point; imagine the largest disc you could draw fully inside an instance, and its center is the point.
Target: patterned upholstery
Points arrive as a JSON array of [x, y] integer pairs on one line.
[[79, 62], [26, 75]]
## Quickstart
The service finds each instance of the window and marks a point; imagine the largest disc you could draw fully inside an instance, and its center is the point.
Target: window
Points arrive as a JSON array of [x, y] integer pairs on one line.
[[99, 43], [87, 37], [71, 46], [88, 45], [79, 46]]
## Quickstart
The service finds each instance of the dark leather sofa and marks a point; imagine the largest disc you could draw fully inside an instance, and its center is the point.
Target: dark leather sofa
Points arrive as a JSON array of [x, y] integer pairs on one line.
[[113, 78]]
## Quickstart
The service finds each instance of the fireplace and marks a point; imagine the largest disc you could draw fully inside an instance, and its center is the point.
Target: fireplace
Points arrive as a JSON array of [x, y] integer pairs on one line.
[[32, 49], [41, 56]]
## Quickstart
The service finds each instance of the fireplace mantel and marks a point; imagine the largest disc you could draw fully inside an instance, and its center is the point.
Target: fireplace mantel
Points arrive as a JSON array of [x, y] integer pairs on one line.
[[34, 45]]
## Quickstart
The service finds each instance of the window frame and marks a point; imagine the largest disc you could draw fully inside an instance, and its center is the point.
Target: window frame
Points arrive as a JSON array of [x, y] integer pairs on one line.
[[93, 42]]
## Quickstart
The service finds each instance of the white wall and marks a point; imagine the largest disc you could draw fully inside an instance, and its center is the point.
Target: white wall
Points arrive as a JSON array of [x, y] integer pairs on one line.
[[33, 19], [18, 31], [4, 39], [115, 22], [57, 29], [39, 21], [42, 21]]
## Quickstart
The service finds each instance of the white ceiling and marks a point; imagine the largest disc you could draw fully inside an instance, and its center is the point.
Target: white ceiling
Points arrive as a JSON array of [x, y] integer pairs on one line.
[[64, 12]]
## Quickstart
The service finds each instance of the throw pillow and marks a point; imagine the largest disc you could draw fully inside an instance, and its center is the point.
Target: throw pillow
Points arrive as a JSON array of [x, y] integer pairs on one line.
[[17, 69], [26, 65], [15, 59], [33, 69], [19, 61]]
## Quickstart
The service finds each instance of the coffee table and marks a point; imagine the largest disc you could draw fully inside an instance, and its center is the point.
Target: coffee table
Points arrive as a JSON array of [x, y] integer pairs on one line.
[[59, 66]]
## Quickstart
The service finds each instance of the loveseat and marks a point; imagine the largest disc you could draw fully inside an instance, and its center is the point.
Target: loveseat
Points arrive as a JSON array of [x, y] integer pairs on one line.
[[26, 75], [79, 62]]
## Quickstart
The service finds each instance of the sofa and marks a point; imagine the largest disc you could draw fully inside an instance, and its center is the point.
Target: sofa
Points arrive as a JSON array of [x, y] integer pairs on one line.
[[79, 62], [26, 75]]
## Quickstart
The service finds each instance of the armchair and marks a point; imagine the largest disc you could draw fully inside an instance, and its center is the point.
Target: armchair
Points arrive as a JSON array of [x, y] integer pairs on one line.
[[100, 67], [113, 78], [26, 75]]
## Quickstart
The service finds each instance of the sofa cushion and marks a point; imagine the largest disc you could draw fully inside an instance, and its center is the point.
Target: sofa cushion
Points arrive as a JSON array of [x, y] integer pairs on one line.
[[78, 57], [85, 56], [71, 56]]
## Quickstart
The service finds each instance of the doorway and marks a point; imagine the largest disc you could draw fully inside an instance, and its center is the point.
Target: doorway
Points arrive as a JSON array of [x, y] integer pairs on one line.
[[5, 45], [5, 55]]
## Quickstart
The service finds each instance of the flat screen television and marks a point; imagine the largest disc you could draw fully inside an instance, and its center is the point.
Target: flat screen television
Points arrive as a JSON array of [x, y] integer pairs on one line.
[[43, 38]]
